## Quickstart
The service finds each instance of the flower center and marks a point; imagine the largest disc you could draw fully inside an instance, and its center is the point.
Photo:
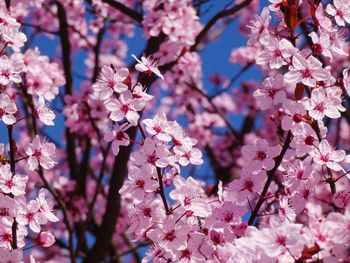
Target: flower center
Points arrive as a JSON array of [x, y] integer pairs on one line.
[[170, 236]]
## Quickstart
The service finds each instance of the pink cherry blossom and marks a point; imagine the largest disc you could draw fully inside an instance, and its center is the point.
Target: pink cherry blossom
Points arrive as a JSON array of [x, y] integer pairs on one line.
[[46, 239], [270, 93], [321, 104], [246, 185], [44, 113], [124, 107], [148, 65], [325, 155], [110, 81], [118, 137], [14, 184], [7, 110], [276, 54], [171, 236], [191, 196], [40, 153], [159, 127], [139, 184], [260, 155], [340, 11], [308, 71], [10, 69]]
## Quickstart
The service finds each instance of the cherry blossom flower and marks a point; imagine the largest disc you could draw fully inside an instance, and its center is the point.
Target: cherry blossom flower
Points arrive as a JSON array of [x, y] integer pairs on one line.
[[260, 155], [189, 155], [247, 184], [40, 153], [118, 137], [270, 93], [13, 37], [325, 155], [7, 110], [320, 105], [46, 207], [340, 10], [151, 154], [11, 256], [148, 65], [276, 53], [110, 81], [307, 71], [295, 113], [124, 107], [159, 127], [229, 213], [191, 196], [46, 239], [30, 215], [139, 184], [282, 239], [10, 69], [171, 236], [322, 44], [44, 113], [259, 26], [304, 138], [14, 184]]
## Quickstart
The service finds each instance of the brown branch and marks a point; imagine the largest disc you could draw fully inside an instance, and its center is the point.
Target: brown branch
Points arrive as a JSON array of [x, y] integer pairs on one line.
[[125, 10], [13, 170], [106, 230], [270, 176], [66, 57]]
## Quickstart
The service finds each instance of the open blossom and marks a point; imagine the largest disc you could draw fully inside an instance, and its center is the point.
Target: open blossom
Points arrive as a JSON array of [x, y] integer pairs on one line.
[[171, 235], [14, 184], [151, 154], [276, 53], [11, 256], [118, 137], [295, 112], [46, 206], [322, 44], [279, 239], [270, 93], [259, 27], [46, 239], [308, 71], [140, 182], [325, 155], [248, 183], [7, 110], [40, 153], [191, 196], [322, 104], [189, 155], [159, 127], [340, 10], [260, 155], [148, 65], [10, 69], [44, 113], [124, 107], [30, 215], [110, 81]]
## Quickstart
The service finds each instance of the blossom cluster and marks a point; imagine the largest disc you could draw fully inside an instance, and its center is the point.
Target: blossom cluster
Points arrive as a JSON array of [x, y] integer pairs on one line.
[[151, 156]]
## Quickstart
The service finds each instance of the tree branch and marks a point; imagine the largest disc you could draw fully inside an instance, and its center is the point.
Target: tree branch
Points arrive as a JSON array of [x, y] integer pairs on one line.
[[125, 10]]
